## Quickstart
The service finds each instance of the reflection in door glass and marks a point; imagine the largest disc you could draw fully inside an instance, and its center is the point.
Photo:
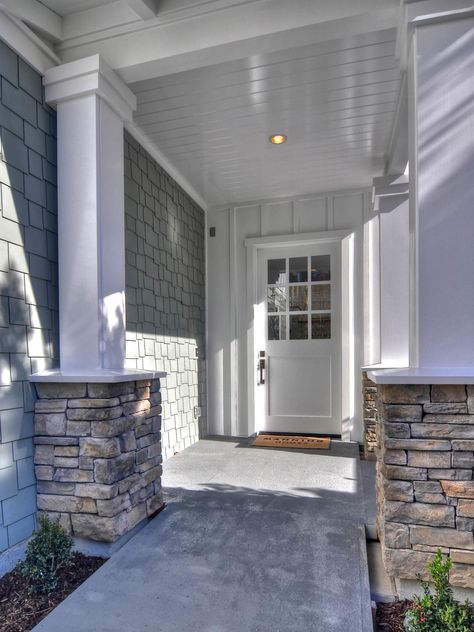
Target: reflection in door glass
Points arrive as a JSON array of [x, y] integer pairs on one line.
[[299, 327], [298, 269], [321, 296], [298, 298], [277, 328], [320, 326], [321, 268], [276, 271], [276, 299]]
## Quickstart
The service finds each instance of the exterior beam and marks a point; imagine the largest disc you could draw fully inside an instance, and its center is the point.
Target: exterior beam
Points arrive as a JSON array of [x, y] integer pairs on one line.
[[169, 43], [37, 15]]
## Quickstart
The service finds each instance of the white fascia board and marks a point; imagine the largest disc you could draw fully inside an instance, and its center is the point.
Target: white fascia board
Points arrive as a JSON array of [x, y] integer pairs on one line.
[[27, 44], [35, 14], [141, 50], [88, 76]]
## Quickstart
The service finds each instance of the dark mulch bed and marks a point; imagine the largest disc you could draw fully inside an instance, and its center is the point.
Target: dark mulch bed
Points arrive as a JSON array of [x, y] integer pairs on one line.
[[390, 616], [20, 611]]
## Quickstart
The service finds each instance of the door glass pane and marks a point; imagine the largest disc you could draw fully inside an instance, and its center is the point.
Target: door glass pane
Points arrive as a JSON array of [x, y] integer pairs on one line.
[[277, 328], [299, 327], [276, 299], [321, 268], [321, 296], [298, 269], [320, 326], [276, 271], [298, 298]]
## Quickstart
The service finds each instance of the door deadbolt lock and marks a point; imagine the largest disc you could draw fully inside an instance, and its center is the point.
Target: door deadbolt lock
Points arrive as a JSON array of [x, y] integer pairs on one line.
[[261, 368]]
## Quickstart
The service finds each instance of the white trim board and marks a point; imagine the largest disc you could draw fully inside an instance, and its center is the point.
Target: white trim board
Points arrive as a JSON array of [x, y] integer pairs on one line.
[[297, 239], [329, 194]]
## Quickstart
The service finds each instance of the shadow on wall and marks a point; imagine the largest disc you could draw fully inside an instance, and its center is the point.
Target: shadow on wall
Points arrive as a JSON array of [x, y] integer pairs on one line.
[[165, 292], [28, 282]]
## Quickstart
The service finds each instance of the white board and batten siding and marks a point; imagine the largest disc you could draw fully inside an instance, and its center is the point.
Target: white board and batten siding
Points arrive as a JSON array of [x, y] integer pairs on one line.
[[229, 315]]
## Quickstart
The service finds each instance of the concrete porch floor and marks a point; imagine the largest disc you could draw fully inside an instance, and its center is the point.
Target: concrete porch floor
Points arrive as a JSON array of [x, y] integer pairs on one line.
[[251, 540]]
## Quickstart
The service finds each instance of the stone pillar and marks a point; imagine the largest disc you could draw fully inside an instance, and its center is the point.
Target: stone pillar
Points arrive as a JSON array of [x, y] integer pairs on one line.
[[425, 486], [98, 455]]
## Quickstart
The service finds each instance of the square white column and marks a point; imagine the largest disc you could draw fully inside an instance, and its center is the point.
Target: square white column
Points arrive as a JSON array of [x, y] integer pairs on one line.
[[92, 105], [389, 262], [441, 97]]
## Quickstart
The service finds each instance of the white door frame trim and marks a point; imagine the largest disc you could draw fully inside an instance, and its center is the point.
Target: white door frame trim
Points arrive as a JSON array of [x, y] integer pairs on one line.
[[346, 239]]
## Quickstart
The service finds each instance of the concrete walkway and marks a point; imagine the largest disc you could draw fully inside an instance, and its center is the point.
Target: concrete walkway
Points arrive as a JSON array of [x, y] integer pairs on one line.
[[252, 540]]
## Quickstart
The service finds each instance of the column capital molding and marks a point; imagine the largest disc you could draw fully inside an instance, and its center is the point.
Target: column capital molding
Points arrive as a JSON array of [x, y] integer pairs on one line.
[[389, 187], [417, 13], [91, 75]]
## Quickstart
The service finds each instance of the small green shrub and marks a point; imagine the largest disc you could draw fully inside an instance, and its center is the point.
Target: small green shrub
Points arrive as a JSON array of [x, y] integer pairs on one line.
[[439, 612], [47, 551]]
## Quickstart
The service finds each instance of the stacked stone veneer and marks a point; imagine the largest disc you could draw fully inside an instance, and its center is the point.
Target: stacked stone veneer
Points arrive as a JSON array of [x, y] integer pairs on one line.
[[425, 486], [369, 398], [98, 455], [165, 292]]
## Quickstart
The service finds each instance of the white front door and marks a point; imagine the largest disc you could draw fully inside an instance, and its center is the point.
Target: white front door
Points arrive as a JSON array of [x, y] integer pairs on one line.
[[298, 336]]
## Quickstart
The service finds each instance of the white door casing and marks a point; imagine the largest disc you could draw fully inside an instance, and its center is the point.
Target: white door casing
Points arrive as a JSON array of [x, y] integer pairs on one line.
[[300, 333], [307, 370]]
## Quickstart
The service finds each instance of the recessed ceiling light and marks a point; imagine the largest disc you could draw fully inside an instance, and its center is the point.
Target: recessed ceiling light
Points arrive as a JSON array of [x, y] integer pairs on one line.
[[277, 139]]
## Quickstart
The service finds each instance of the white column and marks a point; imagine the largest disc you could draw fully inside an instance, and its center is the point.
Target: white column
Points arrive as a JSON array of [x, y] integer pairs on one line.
[[441, 91], [390, 205], [92, 105]]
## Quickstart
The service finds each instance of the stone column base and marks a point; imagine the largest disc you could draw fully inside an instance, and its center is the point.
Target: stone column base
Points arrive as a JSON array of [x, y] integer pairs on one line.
[[369, 397], [425, 486], [98, 455]]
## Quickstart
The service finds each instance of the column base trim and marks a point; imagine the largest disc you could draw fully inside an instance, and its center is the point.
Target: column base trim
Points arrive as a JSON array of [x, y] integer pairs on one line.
[[105, 376], [422, 375]]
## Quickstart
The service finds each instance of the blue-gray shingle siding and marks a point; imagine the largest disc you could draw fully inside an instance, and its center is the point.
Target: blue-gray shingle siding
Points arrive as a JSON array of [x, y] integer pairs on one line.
[[28, 281]]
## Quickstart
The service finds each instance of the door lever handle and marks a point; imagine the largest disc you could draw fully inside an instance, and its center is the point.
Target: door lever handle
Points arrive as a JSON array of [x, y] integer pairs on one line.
[[261, 368]]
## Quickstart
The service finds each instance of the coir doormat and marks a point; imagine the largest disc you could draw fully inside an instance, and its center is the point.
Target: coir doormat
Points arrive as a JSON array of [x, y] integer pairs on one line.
[[292, 441]]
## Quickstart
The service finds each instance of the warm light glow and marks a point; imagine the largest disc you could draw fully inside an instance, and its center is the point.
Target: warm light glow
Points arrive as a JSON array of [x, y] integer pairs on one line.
[[277, 139]]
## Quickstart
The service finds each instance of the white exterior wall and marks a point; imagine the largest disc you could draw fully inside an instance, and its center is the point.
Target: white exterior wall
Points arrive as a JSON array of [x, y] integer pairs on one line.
[[228, 313]]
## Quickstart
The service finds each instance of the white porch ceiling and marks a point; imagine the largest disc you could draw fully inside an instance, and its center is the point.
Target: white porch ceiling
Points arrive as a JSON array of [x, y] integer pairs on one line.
[[215, 78], [335, 100]]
